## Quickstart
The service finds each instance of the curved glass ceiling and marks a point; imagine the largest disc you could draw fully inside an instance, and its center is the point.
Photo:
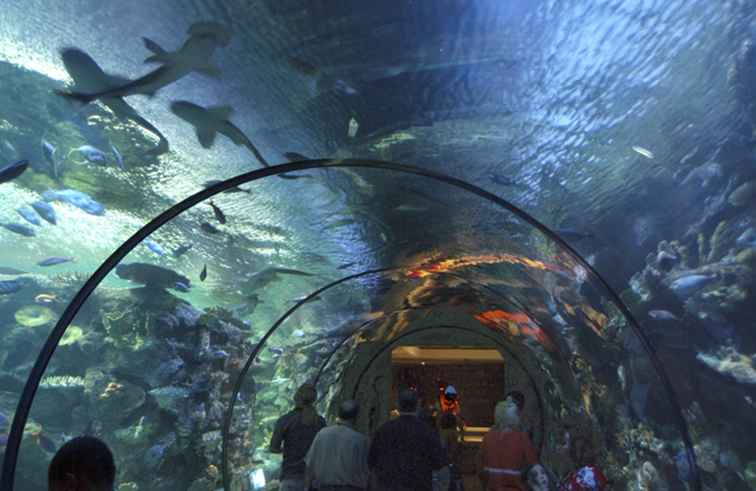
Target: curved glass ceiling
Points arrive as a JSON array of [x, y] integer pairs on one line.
[[625, 127]]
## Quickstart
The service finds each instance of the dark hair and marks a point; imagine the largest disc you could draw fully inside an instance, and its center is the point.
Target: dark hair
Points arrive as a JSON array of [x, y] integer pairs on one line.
[[407, 400], [83, 457], [349, 409], [448, 421], [426, 415], [304, 398], [518, 397]]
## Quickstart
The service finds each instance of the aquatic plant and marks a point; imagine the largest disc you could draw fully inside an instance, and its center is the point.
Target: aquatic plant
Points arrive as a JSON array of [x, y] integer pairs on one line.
[[73, 335]]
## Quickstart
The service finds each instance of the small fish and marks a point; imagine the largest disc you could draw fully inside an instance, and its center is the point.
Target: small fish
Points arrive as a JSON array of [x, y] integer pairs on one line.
[[11, 271], [52, 261], [501, 180], [340, 223], [203, 273], [76, 198], [92, 154], [48, 150], [405, 208], [12, 171], [688, 285], [235, 189], [572, 235], [182, 287], [10, 286], [46, 211], [218, 354], [28, 214], [46, 298], [17, 228], [182, 249], [118, 157], [210, 229], [345, 266], [352, 128], [276, 351], [298, 333], [662, 315], [219, 215], [642, 151], [154, 247], [295, 157]]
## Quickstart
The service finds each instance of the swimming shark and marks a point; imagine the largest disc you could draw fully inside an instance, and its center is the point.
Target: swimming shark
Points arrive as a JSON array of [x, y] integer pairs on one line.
[[89, 77], [193, 56]]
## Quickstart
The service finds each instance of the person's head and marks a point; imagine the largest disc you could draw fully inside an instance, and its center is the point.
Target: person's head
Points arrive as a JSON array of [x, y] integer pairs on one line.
[[84, 463], [506, 414], [348, 410], [450, 393], [407, 401], [517, 397], [538, 479], [304, 399], [305, 396]]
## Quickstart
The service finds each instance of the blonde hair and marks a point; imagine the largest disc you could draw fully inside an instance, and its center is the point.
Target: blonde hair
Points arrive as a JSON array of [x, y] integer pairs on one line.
[[504, 417], [304, 398]]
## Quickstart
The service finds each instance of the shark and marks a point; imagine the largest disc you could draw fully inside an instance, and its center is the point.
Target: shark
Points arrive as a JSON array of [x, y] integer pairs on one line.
[[210, 121], [89, 77], [193, 56]]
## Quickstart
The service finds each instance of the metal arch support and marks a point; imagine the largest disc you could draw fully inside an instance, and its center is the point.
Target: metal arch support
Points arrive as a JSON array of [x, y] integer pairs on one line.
[[43, 359], [491, 338]]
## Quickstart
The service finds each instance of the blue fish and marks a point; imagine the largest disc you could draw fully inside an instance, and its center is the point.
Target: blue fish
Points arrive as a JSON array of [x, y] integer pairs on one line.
[[76, 198], [182, 287], [154, 247], [92, 154], [48, 150], [12, 171], [181, 250], [46, 211], [10, 286], [28, 215], [118, 157], [690, 284], [52, 261], [19, 229], [747, 238]]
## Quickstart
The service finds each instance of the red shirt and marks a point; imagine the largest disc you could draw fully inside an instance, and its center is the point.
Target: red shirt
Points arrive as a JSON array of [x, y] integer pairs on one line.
[[505, 453]]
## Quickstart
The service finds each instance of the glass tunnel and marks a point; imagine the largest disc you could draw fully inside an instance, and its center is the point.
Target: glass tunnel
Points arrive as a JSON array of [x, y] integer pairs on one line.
[[207, 203]]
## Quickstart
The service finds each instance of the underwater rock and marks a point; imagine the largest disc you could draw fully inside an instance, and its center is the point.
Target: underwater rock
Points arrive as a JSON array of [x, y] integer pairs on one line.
[[685, 286], [744, 194], [187, 315], [34, 316], [171, 398], [707, 455], [155, 456], [114, 399], [729, 362]]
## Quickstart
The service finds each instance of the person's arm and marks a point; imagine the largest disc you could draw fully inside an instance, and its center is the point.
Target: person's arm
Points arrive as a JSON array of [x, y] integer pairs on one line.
[[277, 439]]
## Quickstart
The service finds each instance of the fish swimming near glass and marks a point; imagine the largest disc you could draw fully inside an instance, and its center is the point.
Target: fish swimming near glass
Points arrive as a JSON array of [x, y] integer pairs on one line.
[[54, 261], [89, 77], [48, 150], [12, 171], [76, 198], [219, 215], [154, 247], [193, 56], [19, 229], [46, 211], [92, 154], [29, 215], [181, 250], [10, 286]]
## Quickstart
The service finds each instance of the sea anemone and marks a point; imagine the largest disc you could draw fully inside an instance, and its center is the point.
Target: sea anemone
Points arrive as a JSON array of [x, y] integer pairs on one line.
[[34, 316], [71, 336]]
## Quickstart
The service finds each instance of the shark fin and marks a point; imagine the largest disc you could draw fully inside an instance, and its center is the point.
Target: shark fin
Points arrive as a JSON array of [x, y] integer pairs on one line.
[[221, 112], [159, 55], [209, 71], [206, 137]]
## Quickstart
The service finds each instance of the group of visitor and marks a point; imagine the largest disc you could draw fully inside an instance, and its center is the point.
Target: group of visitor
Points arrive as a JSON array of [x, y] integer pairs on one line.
[[407, 453]]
